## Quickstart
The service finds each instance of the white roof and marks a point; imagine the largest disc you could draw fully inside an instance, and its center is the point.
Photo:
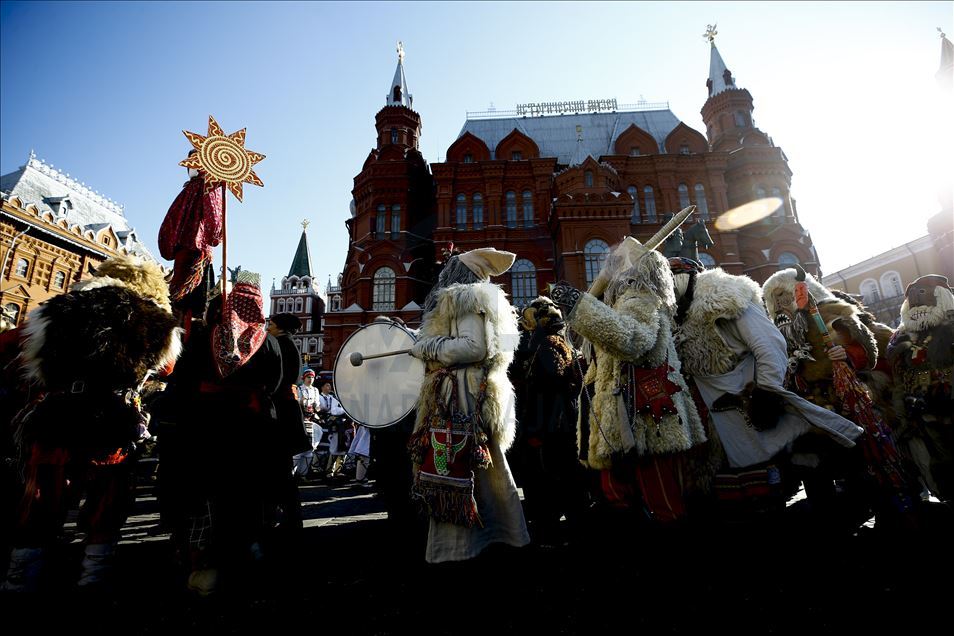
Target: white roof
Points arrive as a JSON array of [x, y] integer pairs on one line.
[[556, 135], [64, 197]]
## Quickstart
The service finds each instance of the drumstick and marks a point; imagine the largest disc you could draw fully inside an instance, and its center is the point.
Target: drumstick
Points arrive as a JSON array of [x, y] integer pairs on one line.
[[357, 359]]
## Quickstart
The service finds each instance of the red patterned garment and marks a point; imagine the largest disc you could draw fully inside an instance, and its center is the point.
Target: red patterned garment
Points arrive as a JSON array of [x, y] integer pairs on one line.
[[192, 227], [242, 332]]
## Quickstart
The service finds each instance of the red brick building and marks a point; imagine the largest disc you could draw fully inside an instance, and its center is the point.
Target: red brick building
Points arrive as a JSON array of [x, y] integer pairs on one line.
[[558, 190]]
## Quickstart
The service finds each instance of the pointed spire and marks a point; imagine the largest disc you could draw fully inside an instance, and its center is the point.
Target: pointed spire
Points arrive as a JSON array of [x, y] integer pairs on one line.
[[945, 72], [720, 77], [301, 264], [398, 95]]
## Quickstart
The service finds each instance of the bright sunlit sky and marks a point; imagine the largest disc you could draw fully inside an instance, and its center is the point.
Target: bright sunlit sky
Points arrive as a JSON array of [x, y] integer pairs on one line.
[[103, 90]]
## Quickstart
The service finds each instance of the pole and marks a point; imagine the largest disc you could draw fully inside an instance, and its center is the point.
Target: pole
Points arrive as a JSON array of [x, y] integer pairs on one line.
[[225, 271]]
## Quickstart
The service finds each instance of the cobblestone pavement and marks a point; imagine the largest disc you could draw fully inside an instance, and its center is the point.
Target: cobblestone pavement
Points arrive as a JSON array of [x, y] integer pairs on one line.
[[351, 572]]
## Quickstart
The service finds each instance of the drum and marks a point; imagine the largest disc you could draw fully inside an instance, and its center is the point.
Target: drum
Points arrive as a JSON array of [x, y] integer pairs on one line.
[[381, 391]]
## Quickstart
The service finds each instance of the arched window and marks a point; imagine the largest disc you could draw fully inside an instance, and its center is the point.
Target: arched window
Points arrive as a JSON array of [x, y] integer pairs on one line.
[[523, 282], [395, 221], [891, 285], [683, 196], [380, 221], [297, 342], [869, 291], [594, 255], [511, 204], [588, 179], [759, 192], [281, 305], [780, 212], [649, 200], [383, 295], [59, 280], [461, 212], [633, 192], [299, 305], [468, 158], [786, 260], [313, 345], [12, 312], [706, 259], [527, 208], [336, 303], [23, 265], [740, 119], [394, 135], [478, 211], [397, 95], [684, 149], [701, 204]]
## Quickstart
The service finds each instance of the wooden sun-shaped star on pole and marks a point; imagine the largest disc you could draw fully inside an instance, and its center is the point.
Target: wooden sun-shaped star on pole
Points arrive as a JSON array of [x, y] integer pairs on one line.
[[223, 159]]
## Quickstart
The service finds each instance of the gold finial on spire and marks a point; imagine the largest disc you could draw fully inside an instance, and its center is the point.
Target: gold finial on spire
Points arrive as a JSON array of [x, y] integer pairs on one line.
[[710, 32], [304, 224], [400, 51]]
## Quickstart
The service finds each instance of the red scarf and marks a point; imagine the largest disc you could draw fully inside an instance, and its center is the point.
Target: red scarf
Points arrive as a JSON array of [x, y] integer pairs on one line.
[[243, 331]]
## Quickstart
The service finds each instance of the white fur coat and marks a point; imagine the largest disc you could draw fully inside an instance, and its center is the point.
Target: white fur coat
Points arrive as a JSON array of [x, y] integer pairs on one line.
[[472, 326], [635, 329]]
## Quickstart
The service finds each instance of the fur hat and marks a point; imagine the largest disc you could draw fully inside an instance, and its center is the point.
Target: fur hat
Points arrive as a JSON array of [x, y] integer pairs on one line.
[[781, 286], [138, 275], [487, 261]]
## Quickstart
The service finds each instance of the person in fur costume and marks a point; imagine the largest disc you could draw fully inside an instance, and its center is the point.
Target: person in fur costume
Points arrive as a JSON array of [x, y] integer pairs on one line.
[[465, 418], [822, 331], [922, 353], [641, 417], [729, 348], [88, 351], [547, 378]]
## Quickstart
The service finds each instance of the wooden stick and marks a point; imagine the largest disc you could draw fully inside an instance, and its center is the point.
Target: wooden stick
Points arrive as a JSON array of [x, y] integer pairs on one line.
[[225, 270]]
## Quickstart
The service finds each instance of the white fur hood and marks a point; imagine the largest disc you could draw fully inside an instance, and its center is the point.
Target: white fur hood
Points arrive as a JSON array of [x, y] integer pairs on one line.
[[721, 295]]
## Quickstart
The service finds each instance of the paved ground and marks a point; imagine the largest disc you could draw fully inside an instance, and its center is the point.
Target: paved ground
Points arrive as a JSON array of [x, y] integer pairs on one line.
[[351, 573]]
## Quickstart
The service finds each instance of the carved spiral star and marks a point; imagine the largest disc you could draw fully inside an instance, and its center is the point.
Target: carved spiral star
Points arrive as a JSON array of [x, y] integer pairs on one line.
[[223, 159]]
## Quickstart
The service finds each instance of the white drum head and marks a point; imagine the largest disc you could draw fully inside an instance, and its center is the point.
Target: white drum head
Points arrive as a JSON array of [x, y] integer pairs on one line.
[[382, 391]]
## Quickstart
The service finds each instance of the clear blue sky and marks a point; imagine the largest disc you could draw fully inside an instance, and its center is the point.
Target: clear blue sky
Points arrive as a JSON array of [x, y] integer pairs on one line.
[[102, 91]]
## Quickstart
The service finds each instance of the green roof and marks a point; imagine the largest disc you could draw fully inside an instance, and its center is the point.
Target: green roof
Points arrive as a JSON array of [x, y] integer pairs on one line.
[[301, 264]]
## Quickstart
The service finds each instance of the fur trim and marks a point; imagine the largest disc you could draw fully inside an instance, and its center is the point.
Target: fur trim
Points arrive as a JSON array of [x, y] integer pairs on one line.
[[107, 336], [138, 275], [842, 316], [781, 284], [501, 336], [717, 296], [923, 317]]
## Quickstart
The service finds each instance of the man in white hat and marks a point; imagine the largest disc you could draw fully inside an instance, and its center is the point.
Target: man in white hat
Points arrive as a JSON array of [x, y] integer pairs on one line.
[[465, 417]]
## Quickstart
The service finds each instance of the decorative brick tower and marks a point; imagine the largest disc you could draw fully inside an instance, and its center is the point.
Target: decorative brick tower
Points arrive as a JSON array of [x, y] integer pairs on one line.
[[299, 295], [756, 168], [390, 264]]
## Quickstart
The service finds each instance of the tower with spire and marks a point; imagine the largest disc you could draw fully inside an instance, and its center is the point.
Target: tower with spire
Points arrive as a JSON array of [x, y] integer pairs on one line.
[[299, 294], [390, 263]]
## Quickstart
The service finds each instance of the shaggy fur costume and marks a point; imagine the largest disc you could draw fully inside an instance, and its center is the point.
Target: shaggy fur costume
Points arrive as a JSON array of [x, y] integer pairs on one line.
[[635, 326], [843, 320], [105, 332], [501, 335], [922, 354], [718, 296]]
